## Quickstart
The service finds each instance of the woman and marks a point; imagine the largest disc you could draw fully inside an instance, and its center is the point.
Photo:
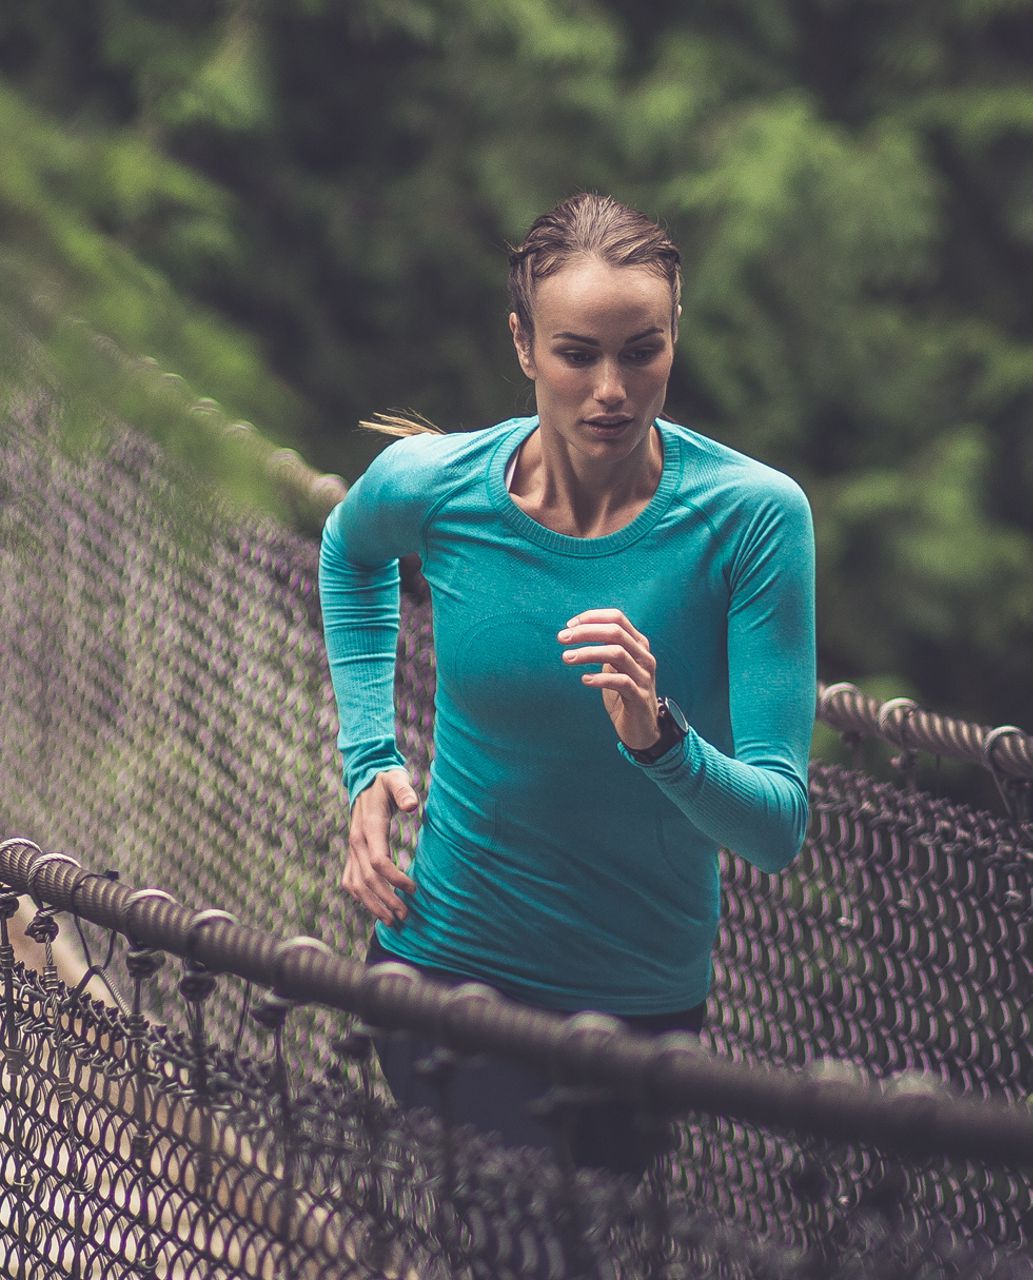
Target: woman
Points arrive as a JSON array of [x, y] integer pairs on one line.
[[624, 635]]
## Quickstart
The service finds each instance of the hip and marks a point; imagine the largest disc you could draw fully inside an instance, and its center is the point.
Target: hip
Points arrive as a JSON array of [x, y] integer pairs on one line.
[[690, 1019]]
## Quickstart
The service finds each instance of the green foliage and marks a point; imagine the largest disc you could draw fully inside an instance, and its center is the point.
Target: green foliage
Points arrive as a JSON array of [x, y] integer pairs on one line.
[[803, 236], [303, 209], [944, 582], [89, 318]]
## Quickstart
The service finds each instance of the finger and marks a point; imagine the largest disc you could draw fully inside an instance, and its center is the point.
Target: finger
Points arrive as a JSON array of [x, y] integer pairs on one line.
[[608, 615], [370, 845], [383, 901], [376, 906], [377, 895], [610, 633], [628, 689], [371, 860], [393, 874], [357, 890], [612, 655], [372, 873], [402, 794]]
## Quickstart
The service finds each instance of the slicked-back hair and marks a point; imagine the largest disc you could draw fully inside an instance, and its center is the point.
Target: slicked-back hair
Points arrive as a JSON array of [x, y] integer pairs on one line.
[[582, 226], [590, 226]]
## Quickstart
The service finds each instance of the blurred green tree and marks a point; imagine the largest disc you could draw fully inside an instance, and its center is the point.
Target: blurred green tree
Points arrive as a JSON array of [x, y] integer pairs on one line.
[[303, 205]]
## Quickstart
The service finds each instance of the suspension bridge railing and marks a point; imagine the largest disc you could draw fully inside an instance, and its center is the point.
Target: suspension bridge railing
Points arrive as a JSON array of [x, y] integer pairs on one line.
[[169, 1153], [166, 715]]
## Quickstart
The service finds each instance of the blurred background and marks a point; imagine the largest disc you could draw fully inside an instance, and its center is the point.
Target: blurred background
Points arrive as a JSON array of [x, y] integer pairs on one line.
[[300, 208]]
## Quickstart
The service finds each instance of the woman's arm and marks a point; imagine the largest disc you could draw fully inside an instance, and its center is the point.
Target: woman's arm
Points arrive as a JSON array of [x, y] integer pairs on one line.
[[363, 538], [364, 535], [754, 801], [360, 604]]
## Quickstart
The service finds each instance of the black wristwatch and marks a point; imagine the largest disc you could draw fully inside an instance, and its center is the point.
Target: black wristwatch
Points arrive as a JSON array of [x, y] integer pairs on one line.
[[673, 727]]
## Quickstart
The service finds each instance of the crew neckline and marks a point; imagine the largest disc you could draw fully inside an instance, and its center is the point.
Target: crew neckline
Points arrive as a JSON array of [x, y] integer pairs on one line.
[[500, 471]]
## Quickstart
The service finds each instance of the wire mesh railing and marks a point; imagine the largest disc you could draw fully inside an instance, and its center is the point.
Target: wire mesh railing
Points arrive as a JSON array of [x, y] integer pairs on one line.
[[130, 1144], [166, 718]]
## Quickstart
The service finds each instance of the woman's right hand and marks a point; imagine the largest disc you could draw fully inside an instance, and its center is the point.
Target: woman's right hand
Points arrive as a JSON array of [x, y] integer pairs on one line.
[[370, 875]]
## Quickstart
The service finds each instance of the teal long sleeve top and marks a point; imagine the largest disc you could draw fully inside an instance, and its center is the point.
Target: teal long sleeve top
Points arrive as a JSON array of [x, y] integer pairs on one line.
[[549, 862]]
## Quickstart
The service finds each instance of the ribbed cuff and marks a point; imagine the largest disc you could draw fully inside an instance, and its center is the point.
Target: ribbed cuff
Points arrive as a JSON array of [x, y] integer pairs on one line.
[[672, 757]]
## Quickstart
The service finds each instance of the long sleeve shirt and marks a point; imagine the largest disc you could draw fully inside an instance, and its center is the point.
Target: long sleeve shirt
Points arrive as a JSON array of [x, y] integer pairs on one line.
[[550, 863]]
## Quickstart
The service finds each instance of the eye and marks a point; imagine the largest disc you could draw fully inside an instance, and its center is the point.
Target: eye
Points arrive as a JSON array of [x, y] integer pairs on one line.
[[578, 356], [641, 355]]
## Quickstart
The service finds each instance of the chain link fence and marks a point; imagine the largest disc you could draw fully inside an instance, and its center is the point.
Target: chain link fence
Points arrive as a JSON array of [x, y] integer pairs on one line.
[[166, 718]]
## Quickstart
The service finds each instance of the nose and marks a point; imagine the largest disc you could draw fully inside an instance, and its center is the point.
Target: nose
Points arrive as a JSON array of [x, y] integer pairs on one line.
[[609, 389]]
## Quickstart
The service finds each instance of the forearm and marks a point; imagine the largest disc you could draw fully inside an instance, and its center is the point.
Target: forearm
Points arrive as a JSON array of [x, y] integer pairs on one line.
[[753, 798], [758, 811]]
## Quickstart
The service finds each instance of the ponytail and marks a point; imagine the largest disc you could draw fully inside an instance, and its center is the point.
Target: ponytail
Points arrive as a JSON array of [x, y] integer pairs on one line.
[[393, 424]]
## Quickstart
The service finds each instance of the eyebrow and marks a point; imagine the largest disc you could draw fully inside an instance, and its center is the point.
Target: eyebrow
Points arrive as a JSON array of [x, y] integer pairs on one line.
[[592, 342]]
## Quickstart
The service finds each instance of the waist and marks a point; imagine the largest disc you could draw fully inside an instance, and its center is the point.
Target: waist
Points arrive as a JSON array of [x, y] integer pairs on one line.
[[690, 1019]]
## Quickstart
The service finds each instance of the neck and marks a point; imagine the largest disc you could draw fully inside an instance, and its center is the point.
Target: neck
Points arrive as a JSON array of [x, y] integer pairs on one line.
[[585, 497]]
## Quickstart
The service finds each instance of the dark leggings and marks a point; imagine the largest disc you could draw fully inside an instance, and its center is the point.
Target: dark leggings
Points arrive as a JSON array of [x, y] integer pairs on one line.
[[495, 1096]]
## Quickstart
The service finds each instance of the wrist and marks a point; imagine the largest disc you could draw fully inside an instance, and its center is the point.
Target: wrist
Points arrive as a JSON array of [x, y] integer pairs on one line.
[[671, 729], [648, 739]]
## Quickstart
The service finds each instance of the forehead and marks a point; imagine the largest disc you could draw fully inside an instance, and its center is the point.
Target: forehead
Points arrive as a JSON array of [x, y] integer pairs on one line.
[[589, 295]]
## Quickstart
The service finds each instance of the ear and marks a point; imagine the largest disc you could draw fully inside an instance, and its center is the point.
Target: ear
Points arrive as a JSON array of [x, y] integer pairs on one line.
[[523, 346]]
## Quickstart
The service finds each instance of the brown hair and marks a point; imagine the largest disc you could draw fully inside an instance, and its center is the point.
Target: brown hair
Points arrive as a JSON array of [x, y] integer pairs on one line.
[[396, 424], [583, 226], [590, 226]]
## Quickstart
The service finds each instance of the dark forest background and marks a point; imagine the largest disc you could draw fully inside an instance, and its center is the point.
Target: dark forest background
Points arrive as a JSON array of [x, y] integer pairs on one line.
[[301, 208]]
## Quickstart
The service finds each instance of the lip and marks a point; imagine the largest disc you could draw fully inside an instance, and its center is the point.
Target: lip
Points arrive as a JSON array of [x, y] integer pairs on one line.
[[609, 426]]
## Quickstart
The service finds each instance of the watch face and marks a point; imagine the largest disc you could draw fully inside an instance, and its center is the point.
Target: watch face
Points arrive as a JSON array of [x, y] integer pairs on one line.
[[676, 714]]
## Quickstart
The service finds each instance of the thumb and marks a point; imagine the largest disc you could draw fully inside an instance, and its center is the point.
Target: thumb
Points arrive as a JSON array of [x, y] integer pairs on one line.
[[403, 795]]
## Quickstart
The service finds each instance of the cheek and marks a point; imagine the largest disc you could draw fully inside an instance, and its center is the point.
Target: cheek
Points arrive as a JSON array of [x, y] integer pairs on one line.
[[660, 377], [560, 381]]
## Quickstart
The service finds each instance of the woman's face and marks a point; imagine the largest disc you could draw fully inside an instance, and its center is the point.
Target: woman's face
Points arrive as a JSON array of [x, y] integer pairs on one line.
[[601, 355]]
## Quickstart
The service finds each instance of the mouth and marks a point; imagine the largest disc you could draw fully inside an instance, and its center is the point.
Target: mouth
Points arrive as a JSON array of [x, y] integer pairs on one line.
[[609, 424]]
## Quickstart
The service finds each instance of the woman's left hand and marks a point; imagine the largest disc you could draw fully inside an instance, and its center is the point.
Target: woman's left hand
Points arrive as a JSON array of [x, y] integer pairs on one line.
[[627, 680]]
